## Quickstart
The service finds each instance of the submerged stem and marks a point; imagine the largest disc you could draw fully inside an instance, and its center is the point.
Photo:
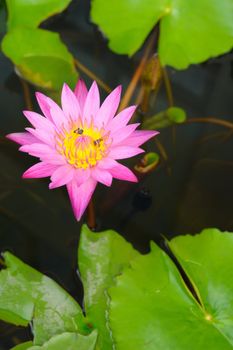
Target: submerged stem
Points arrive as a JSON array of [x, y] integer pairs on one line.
[[217, 121], [27, 95], [168, 87], [137, 74], [91, 216]]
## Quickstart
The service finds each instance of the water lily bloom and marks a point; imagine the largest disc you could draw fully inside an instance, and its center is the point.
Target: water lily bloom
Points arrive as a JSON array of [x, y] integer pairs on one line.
[[79, 144]]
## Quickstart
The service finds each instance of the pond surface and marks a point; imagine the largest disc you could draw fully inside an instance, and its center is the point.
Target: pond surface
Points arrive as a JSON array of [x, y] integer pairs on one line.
[[190, 191]]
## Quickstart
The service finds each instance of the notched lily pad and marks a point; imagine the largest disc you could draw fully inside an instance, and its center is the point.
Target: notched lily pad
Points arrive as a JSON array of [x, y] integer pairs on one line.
[[28, 296], [69, 341], [31, 13], [24, 346], [190, 31], [41, 58], [152, 308], [101, 257]]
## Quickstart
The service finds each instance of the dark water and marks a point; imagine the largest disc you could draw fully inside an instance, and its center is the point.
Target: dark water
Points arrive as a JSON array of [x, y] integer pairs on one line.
[[191, 191]]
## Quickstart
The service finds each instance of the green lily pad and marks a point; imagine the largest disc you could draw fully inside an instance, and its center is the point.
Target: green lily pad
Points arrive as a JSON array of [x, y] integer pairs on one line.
[[31, 13], [152, 308], [101, 257], [28, 296], [23, 346], [190, 31], [69, 341], [207, 259], [41, 58]]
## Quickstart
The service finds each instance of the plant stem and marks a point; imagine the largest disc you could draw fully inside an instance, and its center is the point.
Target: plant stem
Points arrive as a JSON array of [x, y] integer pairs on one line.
[[168, 87], [92, 75], [137, 74], [27, 95], [220, 135], [216, 121], [161, 149], [91, 216], [170, 99]]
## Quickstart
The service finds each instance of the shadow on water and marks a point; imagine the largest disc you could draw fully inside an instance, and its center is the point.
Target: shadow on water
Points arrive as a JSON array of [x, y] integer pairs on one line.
[[37, 224]]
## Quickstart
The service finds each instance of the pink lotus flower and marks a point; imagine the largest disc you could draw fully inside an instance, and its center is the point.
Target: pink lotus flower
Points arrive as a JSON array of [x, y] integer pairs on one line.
[[79, 144]]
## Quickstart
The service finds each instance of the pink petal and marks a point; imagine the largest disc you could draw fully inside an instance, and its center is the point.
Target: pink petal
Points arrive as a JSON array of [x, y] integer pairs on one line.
[[107, 163], [58, 116], [51, 110], [139, 137], [53, 158], [70, 103], [121, 119], [109, 107], [38, 121], [122, 152], [92, 103], [44, 136], [39, 170], [80, 196], [45, 104], [44, 152], [23, 138], [36, 149], [121, 172], [102, 176], [61, 176], [123, 133], [81, 93], [81, 175]]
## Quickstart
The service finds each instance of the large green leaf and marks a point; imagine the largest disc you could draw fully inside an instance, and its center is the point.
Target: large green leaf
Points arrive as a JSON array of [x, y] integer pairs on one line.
[[26, 295], [69, 341], [151, 308], [40, 57], [101, 257], [31, 13], [23, 346], [208, 261], [190, 31], [136, 19]]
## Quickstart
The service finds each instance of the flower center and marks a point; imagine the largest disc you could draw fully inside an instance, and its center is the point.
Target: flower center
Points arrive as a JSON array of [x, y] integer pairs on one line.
[[83, 147]]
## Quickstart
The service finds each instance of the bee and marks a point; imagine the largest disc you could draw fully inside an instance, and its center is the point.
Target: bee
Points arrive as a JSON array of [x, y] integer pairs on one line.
[[78, 131], [97, 142]]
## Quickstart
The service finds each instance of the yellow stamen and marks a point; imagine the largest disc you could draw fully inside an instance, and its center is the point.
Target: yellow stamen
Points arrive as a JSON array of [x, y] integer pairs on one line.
[[83, 147]]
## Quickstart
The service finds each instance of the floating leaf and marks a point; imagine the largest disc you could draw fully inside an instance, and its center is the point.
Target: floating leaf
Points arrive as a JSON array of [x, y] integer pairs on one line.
[[31, 13], [207, 259], [190, 31], [41, 57], [26, 295], [23, 346], [101, 257], [69, 341], [163, 119], [151, 307]]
